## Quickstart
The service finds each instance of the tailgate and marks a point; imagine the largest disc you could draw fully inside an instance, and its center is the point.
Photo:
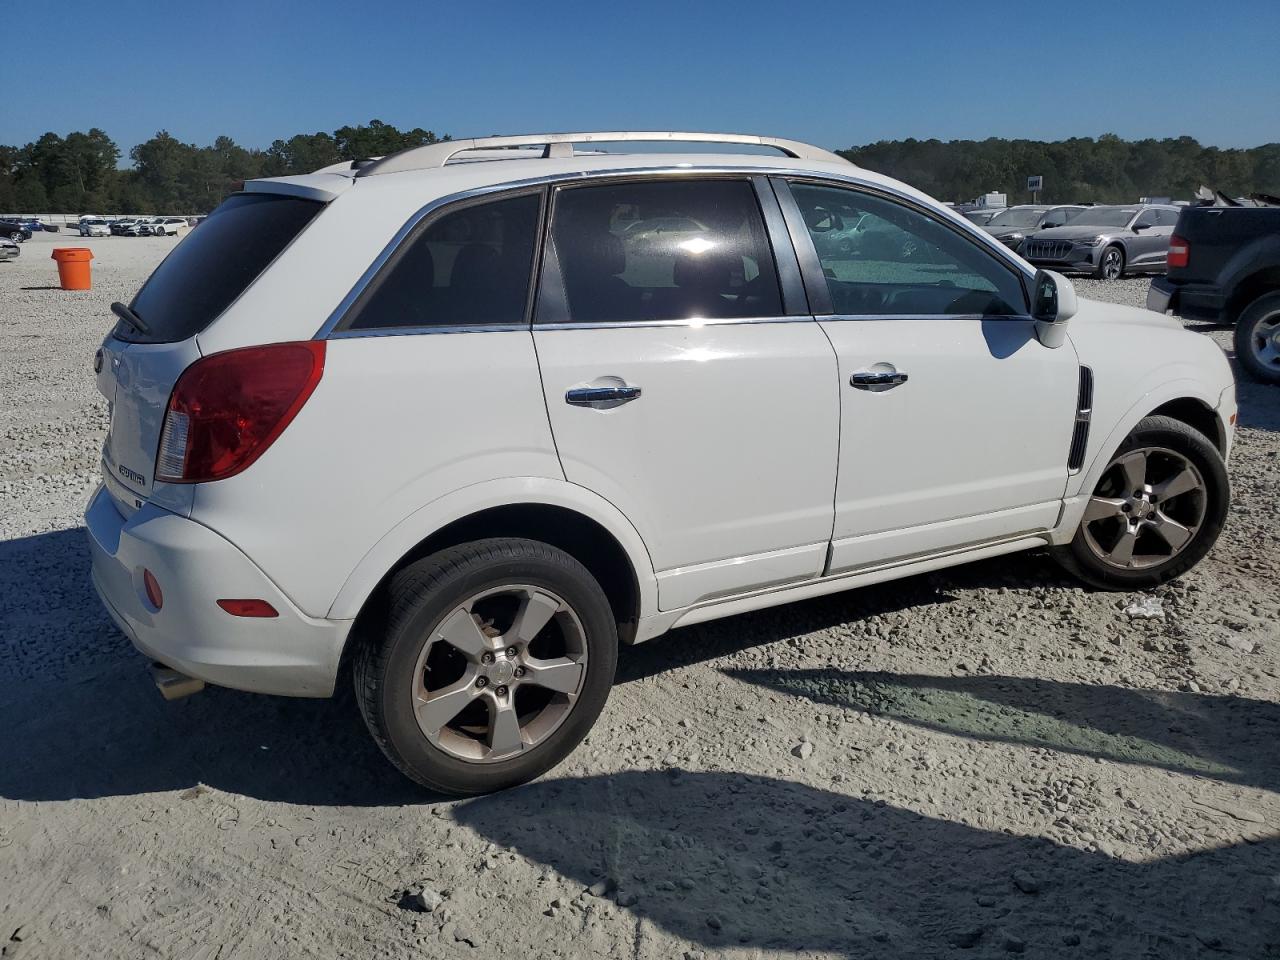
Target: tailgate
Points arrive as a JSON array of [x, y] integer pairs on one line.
[[137, 379]]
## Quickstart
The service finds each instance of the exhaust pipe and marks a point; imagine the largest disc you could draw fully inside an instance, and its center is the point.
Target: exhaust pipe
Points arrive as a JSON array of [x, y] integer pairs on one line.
[[172, 684]]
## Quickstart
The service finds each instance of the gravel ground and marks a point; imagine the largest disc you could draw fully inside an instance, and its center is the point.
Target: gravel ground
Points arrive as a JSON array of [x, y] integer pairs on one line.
[[978, 762]]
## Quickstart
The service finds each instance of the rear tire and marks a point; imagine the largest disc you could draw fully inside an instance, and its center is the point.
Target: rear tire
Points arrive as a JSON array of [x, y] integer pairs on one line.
[[1257, 338], [1184, 493], [1110, 264], [491, 665]]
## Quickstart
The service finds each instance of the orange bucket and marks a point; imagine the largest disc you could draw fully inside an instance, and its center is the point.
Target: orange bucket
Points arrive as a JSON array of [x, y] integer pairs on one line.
[[73, 267]]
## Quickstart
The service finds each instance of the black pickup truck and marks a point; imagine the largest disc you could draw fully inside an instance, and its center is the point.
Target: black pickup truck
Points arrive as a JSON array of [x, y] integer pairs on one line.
[[1224, 267]]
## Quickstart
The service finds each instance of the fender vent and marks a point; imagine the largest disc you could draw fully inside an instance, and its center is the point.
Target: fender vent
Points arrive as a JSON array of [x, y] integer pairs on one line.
[[1084, 411]]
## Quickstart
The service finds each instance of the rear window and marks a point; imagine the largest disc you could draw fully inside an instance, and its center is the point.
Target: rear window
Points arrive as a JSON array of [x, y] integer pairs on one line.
[[213, 265]]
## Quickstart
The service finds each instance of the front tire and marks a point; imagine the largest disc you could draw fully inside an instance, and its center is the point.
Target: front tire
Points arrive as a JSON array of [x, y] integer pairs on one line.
[[17, 236], [1157, 509], [1110, 264], [1257, 338], [492, 664]]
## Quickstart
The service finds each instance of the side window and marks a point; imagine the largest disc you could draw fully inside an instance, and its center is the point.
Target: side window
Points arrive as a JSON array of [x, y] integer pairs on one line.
[[882, 258], [467, 267], [1055, 218], [664, 250], [1167, 218], [1146, 219]]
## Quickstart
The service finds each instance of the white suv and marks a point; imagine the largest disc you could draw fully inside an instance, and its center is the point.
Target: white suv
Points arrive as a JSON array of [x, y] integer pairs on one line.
[[458, 417]]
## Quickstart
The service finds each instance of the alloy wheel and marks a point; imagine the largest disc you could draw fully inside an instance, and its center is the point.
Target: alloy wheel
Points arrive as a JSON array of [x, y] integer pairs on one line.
[[499, 673], [1146, 510], [1111, 264], [1265, 340]]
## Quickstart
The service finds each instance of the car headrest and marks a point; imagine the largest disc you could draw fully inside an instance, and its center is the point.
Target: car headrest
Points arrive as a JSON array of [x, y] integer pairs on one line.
[[710, 271]]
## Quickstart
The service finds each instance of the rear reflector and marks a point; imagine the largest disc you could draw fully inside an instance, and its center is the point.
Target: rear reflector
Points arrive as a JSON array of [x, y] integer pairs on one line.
[[228, 408], [152, 587], [248, 608], [1179, 252]]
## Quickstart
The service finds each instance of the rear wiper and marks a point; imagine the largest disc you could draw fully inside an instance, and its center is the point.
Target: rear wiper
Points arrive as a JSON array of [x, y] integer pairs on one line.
[[131, 318]]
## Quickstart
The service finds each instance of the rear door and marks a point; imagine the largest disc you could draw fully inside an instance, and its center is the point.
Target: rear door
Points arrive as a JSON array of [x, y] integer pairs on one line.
[[686, 382], [187, 292], [956, 421]]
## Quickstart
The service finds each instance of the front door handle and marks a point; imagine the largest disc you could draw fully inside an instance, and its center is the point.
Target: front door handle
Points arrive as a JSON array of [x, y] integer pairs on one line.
[[602, 396], [877, 380]]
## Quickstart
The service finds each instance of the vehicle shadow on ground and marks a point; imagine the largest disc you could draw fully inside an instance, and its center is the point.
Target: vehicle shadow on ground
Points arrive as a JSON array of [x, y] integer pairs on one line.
[[720, 638], [1228, 738], [84, 720], [724, 859]]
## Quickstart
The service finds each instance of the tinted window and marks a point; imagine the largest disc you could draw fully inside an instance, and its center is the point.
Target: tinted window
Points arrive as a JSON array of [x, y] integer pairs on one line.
[[467, 267], [1146, 219], [672, 250], [1166, 218], [883, 258], [1056, 218], [213, 266]]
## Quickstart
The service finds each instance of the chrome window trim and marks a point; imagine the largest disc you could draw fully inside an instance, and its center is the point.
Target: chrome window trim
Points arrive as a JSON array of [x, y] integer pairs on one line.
[[861, 317], [690, 322], [420, 331], [326, 330]]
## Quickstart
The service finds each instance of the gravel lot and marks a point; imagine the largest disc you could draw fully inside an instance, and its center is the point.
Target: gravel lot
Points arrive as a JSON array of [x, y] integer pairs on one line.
[[979, 762]]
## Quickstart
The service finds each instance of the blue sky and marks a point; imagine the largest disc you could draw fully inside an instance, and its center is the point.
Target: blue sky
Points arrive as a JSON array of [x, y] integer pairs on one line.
[[834, 73]]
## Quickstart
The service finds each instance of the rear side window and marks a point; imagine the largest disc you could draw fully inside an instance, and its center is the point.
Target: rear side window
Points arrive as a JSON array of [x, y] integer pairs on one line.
[[670, 250], [213, 265], [468, 267]]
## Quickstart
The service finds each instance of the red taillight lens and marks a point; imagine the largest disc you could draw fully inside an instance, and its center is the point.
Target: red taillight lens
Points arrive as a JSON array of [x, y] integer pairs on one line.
[[152, 586], [1179, 252], [248, 608], [228, 408]]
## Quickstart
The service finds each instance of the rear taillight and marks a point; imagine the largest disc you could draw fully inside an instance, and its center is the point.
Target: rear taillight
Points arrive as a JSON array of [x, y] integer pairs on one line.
[[1179, 252], [228, 408]]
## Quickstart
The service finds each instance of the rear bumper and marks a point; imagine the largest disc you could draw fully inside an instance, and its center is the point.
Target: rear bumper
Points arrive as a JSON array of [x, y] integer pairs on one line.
[[291, 655], [1194, 301]]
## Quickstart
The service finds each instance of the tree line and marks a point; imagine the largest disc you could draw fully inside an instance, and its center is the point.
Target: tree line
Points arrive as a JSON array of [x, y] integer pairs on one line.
[[1081, 169], [81, 173]]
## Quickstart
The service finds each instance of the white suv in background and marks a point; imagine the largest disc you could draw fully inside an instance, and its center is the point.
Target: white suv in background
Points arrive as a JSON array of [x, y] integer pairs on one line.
[[168, 226], [457, 416]]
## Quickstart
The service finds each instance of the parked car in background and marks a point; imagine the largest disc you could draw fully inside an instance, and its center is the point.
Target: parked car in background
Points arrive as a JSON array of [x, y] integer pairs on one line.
[[1011, 225], [664, 436], [94, 227], [15, 231], [33, 224], [1224, 267], [169, 226], [8, 249], [120, 224], [1106, 241], [980, 216]]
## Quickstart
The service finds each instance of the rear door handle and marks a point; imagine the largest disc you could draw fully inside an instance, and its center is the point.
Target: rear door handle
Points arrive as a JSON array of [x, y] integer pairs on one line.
[[601, 396], [877, 379]]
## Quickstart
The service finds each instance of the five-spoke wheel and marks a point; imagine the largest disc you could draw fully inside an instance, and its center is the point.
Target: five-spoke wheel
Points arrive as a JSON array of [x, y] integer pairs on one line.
[[491, 664], [500, 674], [1156, 509]]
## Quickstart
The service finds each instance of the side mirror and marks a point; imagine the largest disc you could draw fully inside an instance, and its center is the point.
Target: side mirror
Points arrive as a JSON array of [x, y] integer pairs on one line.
[[1139, 227], [1053, 303]]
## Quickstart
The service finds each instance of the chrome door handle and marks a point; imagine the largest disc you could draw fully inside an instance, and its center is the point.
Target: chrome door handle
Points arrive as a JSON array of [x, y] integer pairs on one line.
[[877, 379], [601, 396]]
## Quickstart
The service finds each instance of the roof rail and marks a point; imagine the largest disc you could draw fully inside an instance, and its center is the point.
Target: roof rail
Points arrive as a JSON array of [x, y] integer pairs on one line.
[[433, 155]]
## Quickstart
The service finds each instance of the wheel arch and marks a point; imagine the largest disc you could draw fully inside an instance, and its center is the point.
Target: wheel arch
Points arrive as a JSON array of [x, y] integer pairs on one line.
[[1250, 288], [572, 518]]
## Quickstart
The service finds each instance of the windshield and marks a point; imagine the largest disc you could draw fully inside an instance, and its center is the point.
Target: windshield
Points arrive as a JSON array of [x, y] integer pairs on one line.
[[1016, 218], [1103, 217], [213, 266]]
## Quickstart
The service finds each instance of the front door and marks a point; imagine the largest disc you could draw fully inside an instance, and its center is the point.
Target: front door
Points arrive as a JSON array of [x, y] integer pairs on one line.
[[956, 421], [681, 389]]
